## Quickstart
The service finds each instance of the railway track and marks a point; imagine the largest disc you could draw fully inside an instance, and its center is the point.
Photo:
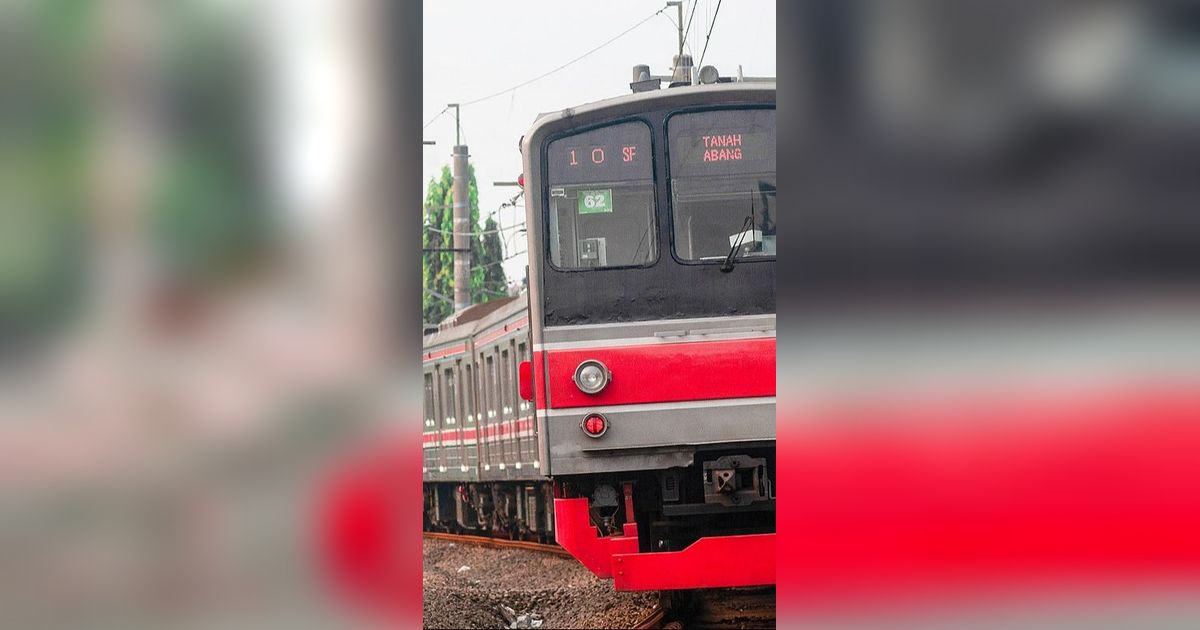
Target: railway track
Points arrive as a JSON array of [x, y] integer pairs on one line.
[[713, 608], [653, 619], [747, 607], [497, 543]]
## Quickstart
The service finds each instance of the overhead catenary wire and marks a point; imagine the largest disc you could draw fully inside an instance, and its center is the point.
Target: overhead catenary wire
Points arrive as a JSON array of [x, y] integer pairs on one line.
[[710, 30], [437, 116], [498, 230], [688, 28], [686, 44], [567, 64]]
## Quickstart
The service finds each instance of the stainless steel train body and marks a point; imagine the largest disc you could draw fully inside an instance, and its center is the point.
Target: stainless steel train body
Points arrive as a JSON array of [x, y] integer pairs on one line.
[[652, 259], [651, 229], [481, 466]]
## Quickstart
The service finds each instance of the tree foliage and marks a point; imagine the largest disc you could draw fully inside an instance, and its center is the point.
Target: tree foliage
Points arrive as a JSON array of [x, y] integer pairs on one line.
[[487, 274]]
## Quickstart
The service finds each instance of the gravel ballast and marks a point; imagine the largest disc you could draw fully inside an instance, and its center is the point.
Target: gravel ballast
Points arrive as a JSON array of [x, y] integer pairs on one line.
[[465, 586]]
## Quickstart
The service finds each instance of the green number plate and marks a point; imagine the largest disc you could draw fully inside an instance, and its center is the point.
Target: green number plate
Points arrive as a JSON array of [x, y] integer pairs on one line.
[[595, 201]]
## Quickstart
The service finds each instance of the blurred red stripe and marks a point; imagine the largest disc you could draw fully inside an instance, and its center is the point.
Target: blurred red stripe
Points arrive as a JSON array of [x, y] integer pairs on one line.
[[897, 500]]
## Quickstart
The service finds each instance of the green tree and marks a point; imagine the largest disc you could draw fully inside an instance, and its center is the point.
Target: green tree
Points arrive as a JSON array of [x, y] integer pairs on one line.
[[487, 274], [47, 134], [492, 282]]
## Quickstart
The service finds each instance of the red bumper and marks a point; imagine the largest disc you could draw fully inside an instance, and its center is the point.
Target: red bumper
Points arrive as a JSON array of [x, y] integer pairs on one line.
[[716, 562]]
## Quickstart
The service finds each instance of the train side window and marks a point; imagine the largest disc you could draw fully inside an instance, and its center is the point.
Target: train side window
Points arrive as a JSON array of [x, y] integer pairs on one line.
[[430, 411], [462, 391], [506, 378], [451, 399], [490, 385], [468, 392], [601, 198]]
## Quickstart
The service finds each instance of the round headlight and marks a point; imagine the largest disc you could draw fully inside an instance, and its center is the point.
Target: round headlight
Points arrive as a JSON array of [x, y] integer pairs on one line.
[[591, 376]]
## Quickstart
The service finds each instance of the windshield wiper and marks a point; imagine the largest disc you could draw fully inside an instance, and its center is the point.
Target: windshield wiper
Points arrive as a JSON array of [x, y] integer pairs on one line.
[[747, 225], [727, 266]]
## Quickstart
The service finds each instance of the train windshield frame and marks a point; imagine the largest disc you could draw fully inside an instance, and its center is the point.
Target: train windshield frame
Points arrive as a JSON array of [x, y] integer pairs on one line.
[[602, 210], [657, 285], [722, 180]]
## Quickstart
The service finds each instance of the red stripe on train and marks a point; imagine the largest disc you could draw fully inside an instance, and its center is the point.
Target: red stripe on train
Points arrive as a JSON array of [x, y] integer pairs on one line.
[[500, 332], [452, 350], [508, 426], [702, 370], [539, 379]]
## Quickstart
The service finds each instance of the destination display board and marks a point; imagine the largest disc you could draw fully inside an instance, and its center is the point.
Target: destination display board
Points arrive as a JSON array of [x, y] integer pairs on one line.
[[616, 153], [722, 142]]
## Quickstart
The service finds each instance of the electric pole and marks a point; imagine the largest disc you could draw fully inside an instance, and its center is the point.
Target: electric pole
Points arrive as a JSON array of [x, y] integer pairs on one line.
[[457, 127], [679, 22], [462, 229]]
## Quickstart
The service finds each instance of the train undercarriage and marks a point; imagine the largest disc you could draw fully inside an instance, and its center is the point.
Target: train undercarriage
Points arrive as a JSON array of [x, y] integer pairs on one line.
[[710, 524], [517, 510]]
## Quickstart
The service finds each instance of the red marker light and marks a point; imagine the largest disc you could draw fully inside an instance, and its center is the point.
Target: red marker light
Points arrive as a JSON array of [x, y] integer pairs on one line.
[[594, 425], [521, 180]]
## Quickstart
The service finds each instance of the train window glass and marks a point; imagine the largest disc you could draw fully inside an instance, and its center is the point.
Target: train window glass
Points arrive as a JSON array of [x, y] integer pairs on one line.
[[490, 386], [504, 388], [601, 198], [723, 184], [513, 386], [451, 397], [430, 413], [460, 400], [468, 393]]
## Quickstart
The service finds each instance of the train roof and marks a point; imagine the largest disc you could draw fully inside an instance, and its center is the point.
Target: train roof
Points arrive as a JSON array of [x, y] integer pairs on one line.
[[640, 101], [475, 318], [514, 306]]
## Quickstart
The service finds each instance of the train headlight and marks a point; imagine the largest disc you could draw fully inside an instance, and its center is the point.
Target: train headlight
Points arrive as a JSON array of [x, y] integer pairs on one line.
[[591, 376], [594, 425]]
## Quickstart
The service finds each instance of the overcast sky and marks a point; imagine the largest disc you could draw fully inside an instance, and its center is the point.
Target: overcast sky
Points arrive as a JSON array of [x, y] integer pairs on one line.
[[473, 49]]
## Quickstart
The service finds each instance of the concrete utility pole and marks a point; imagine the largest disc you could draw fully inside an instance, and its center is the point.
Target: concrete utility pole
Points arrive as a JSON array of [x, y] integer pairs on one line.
[[679, 10], [457, 127], [462, 229]]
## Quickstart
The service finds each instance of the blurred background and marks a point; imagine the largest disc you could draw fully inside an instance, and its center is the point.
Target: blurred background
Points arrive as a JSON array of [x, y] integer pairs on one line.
[[201, 299], [990, 332], [209, 284]]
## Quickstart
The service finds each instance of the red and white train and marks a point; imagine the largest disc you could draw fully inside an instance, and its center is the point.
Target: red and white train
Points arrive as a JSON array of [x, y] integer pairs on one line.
[[625, 405]]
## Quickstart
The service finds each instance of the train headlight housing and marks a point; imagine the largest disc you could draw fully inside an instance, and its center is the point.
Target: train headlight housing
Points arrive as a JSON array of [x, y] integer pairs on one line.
[[591, 376], [594, 425]]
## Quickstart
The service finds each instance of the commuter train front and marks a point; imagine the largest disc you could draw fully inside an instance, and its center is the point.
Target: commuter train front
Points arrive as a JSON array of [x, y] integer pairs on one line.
[[652, 312]]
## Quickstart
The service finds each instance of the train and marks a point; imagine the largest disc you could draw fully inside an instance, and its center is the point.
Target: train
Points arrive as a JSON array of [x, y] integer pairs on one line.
[[624, 404]]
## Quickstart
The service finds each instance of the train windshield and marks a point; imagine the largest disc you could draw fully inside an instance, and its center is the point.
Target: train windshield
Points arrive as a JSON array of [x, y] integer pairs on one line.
[[723, 184], [601, 192]]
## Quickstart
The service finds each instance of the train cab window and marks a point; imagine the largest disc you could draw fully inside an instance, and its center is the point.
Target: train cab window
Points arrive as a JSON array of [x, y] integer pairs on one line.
[[451, 396], [601, 198], [722, 167]]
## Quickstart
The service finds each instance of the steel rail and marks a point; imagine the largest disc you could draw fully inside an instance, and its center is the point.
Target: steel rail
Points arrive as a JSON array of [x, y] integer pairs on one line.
[[497, 543]]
